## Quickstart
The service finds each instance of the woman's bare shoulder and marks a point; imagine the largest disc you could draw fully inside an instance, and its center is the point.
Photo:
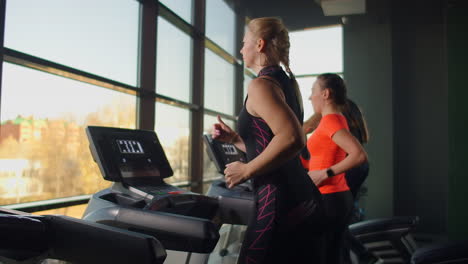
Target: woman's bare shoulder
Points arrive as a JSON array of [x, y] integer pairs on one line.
[[261, 87]]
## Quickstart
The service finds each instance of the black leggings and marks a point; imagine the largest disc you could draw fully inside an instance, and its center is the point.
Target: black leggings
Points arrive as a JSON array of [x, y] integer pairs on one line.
[[278, 235], [338, 207], [355, 177]]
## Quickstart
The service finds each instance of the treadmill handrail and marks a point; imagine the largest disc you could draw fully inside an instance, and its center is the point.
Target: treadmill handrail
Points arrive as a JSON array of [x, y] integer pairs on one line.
[[383, 224], [34, 238], [161, 224]]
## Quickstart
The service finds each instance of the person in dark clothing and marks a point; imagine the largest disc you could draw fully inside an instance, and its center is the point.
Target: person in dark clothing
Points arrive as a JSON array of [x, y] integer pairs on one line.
[[287, 225]]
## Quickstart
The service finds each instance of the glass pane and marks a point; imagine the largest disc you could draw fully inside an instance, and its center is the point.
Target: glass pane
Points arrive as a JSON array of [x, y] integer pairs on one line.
[[100, 37], [44, 151], [173, 62], [219, 84], [220, 24], [172, 128], [305, 85], [209, 169], [247, 80], [182, 8], [326, 54]]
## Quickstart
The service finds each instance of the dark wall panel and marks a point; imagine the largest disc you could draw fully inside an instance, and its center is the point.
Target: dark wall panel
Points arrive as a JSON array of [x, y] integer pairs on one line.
[[368, 73], [457, 43], [421, 113]]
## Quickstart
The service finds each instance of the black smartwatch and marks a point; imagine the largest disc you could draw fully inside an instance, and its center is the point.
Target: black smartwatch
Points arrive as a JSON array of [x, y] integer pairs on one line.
[[330, 173]]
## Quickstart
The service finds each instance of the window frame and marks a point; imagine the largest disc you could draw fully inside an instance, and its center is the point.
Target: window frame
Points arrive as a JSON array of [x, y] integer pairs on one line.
[[145, 92]]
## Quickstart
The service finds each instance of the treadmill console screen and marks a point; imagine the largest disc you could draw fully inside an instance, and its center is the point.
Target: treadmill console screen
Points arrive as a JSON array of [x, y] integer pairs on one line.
[[222, 153], [130, 146], [127, 155]]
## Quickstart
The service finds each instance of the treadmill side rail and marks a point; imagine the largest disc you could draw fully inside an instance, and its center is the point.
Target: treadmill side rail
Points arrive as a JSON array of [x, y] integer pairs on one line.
[[34, 238], [178, 232]]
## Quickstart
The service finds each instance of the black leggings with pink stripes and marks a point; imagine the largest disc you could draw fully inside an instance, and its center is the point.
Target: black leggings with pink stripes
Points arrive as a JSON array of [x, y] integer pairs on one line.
[[277, 234]]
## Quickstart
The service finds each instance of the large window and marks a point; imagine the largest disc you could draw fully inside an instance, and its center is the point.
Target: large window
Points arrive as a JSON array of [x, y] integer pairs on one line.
[[71, 64], [44, 152], [312, 52], [317, 50], [94, 36]]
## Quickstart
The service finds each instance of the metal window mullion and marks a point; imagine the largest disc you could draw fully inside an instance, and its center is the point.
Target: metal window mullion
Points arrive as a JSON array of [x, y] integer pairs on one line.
[[197, 97], [147, 65], [174, 102], [216, 49], [177, 21], [239, 67], [29, 61], [250, 73], [32, 62], [2, 35], [216, 113]]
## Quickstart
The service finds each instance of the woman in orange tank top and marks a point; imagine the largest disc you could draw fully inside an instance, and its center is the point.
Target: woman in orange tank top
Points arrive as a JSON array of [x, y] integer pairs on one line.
[[333, 150]]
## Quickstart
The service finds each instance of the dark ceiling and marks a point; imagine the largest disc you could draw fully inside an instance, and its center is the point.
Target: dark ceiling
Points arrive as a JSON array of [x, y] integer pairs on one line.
[[296, 14]]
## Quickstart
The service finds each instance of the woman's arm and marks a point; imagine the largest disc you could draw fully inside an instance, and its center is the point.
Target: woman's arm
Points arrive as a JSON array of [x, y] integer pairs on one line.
[[224, 133], [356, 156], [266, 100], [356, 153], [239, 143]]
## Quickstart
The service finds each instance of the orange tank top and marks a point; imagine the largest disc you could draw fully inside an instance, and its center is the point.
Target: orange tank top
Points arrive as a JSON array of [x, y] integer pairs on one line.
[[324, 152]]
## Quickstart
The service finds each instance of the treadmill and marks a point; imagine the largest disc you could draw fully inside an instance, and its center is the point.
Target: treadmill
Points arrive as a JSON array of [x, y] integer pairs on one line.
[[32, 239], [222, 153], [139, 199], [453, 252], [389, 239]]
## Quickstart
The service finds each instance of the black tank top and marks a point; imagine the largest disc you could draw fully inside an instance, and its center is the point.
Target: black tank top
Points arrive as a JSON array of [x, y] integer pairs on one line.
[[290, 178]]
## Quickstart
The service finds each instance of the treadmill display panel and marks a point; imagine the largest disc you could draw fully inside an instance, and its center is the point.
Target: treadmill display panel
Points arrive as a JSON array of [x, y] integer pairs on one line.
[[127, 155], [229, 149], [130, 146], [138, 168], [222, 153]]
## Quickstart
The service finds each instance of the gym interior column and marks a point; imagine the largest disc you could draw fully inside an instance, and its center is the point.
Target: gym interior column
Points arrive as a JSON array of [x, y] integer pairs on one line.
[[239, 67]]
